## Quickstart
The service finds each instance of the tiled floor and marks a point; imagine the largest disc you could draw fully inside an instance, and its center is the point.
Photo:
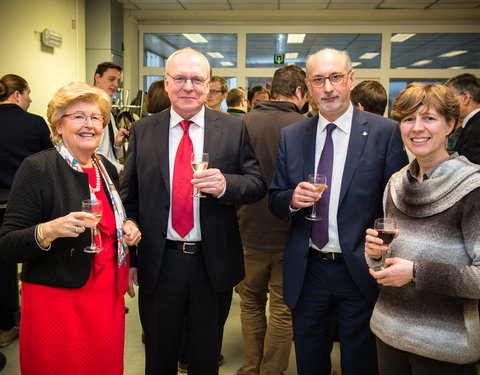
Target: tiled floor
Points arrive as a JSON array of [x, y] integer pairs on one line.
[[134, 351]]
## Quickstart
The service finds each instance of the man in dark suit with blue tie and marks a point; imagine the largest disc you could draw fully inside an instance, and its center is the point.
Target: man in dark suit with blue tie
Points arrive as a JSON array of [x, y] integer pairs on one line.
[[191, 256], [324, 264]]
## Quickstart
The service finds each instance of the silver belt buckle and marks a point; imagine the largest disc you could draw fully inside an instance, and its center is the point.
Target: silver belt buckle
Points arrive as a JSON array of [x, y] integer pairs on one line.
[[185, 251]]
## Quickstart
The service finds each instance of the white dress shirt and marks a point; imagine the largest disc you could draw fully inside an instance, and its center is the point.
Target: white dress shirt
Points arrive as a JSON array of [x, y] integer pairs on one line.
[[196, 132], [113, 154], [340, 138], [469, 116]]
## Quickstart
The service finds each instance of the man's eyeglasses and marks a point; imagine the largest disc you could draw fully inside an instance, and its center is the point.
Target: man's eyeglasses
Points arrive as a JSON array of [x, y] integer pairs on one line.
[[81, 118], [215, 92], [335, 79], [181, 80]]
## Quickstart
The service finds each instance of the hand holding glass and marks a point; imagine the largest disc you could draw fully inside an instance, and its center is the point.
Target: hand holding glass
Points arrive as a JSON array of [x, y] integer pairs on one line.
[[319, 181], [199, 163], [386, 230], [93, 207]]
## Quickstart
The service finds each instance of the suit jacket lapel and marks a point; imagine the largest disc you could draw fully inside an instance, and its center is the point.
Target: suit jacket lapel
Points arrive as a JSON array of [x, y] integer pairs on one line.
[[358, 138], [160, 135], [309, 142], [212, 135]]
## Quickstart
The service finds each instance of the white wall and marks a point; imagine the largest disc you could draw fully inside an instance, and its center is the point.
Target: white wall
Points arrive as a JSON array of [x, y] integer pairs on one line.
[[45, 69]]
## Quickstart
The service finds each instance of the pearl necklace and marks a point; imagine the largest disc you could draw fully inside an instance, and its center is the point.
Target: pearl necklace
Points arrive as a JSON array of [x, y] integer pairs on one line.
[[97, 178]]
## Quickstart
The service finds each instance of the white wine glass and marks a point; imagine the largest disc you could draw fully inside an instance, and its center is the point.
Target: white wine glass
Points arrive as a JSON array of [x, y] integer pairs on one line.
[[386, 230], [94, 207], [199, 163], [319, 181]]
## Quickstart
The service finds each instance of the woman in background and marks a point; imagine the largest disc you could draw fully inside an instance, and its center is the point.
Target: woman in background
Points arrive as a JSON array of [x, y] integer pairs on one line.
[[426, 316], [157, 98], [73, 310]]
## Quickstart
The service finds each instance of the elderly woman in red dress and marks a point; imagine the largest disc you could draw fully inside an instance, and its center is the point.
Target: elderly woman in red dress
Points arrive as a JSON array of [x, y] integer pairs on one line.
[[73, 309]]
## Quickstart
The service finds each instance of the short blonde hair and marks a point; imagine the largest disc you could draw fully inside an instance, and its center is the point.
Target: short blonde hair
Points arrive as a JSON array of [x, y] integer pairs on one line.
[[72, 93], [437, 97]]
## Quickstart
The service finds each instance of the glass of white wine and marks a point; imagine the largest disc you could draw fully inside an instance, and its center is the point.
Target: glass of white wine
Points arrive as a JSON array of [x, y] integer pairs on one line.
[[199, 163], [94, 207], [319, 181]]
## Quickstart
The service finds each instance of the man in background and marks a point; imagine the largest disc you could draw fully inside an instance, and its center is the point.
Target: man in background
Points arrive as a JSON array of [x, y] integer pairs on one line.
[[324, 261], [237, 102], [217, 93], [467, 91], [107, 77], [267, 345], [257, 93], [370, 96]]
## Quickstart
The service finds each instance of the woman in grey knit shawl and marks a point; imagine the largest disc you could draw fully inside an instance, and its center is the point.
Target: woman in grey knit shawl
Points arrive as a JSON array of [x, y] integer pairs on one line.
[[426, 318]]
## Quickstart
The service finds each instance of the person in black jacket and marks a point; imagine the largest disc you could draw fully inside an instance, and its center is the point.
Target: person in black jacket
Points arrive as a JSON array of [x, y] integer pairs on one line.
[[23, 134], [72, 300]]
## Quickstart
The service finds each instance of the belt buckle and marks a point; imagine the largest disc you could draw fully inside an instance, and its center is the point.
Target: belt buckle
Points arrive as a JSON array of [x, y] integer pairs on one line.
[[185, 251]]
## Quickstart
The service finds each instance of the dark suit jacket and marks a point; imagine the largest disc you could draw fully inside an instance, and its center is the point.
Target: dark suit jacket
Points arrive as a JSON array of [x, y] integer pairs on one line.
[[375, 151], [468, 142], [22, 134], [45, 188], [146, 195]]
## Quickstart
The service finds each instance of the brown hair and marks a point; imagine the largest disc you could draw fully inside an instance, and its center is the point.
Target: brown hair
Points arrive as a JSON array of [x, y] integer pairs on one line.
[[286, 80], [438, 97], [72, 93], [157, 98], [371, 95], [235, 97], [10, 83]]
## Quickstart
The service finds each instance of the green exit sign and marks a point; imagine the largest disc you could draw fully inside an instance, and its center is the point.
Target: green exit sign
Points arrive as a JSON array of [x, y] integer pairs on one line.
[[279, 58]]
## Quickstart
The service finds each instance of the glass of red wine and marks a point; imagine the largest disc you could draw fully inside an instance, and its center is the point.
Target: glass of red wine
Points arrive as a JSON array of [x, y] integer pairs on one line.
[[386, 230]]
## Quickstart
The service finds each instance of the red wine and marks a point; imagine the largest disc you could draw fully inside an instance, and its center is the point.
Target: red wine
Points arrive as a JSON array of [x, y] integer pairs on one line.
[[386, 235]]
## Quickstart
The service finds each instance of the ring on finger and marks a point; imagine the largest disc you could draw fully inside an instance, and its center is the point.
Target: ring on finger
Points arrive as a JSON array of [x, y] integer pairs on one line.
[[75, 228]]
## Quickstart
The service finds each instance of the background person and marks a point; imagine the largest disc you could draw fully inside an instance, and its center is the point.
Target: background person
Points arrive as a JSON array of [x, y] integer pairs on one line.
[[370, 96], [23, 134], [191, 256], [217, 93], [107, 77], [157, 98], [426, 317], [267, 345], [324, 265], [237, 102], [257, 93], [72, 301]]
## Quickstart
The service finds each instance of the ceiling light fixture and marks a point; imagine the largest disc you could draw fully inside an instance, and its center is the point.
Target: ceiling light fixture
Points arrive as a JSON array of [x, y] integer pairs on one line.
[[215, 55], [226, 63], [369, 55], [291, 55], [457, 67], [399, 38], [295, 38], [453, 53], [195, 38], [421, 62], [356, 63]]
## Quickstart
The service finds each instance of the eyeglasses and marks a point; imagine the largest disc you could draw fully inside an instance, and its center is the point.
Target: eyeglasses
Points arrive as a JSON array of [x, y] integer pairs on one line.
[[335, 79], [81, 118], [215, 92], [181, 80]]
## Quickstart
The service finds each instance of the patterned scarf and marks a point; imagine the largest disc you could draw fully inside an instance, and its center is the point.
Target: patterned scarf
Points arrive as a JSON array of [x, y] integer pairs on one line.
[[118, 210]]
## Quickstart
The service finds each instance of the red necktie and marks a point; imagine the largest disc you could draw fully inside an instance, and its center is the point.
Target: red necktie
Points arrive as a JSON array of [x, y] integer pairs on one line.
[[182, 188]]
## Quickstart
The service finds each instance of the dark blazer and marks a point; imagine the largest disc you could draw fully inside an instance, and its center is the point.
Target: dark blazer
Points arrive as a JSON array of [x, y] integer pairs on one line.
[[375, 151], [146, 195], [22, 134], [468, 142], [46, 188]]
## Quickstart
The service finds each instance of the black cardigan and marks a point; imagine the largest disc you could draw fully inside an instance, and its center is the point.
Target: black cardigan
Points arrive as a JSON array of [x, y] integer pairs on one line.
[[45, 188]]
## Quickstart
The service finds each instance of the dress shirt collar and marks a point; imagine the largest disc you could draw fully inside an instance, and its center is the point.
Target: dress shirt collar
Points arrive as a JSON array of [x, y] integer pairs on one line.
[[344, 122], [198, 119], [469, 116]]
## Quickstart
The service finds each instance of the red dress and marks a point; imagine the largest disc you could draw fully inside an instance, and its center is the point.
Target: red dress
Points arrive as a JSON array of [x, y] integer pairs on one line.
[[78, 331]]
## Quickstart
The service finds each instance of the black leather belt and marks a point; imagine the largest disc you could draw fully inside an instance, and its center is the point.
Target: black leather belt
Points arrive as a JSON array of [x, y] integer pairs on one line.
[[191, 248], [326, 256]]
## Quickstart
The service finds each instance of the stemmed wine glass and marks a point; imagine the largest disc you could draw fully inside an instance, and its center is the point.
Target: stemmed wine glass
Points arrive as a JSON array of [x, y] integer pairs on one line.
[[319, 181], [94, 207], [387, 230], [199, 163]]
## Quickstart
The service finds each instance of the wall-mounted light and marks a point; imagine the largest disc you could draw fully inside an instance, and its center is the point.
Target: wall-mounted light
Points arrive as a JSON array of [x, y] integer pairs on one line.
[[51, 38]]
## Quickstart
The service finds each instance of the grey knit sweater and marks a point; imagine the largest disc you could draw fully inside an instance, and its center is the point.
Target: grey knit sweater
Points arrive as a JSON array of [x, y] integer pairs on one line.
[[439, 224]]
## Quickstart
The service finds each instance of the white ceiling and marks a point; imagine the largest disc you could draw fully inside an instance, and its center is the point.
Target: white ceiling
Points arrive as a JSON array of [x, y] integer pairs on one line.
[[297, 4]]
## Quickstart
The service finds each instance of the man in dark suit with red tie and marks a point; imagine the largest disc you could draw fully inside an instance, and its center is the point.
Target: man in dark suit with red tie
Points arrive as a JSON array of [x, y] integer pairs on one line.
[[324, 262], [191, 255]]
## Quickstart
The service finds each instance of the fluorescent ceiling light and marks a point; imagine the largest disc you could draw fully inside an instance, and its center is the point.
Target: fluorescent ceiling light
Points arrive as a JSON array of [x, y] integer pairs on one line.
[[356, 63], [399, 38], [457, 67], [421, 62], [216, 55], [291, 55], [226, 63], [195, 38], [369, 55], [453, 53], [295, 38], [401, 67]]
